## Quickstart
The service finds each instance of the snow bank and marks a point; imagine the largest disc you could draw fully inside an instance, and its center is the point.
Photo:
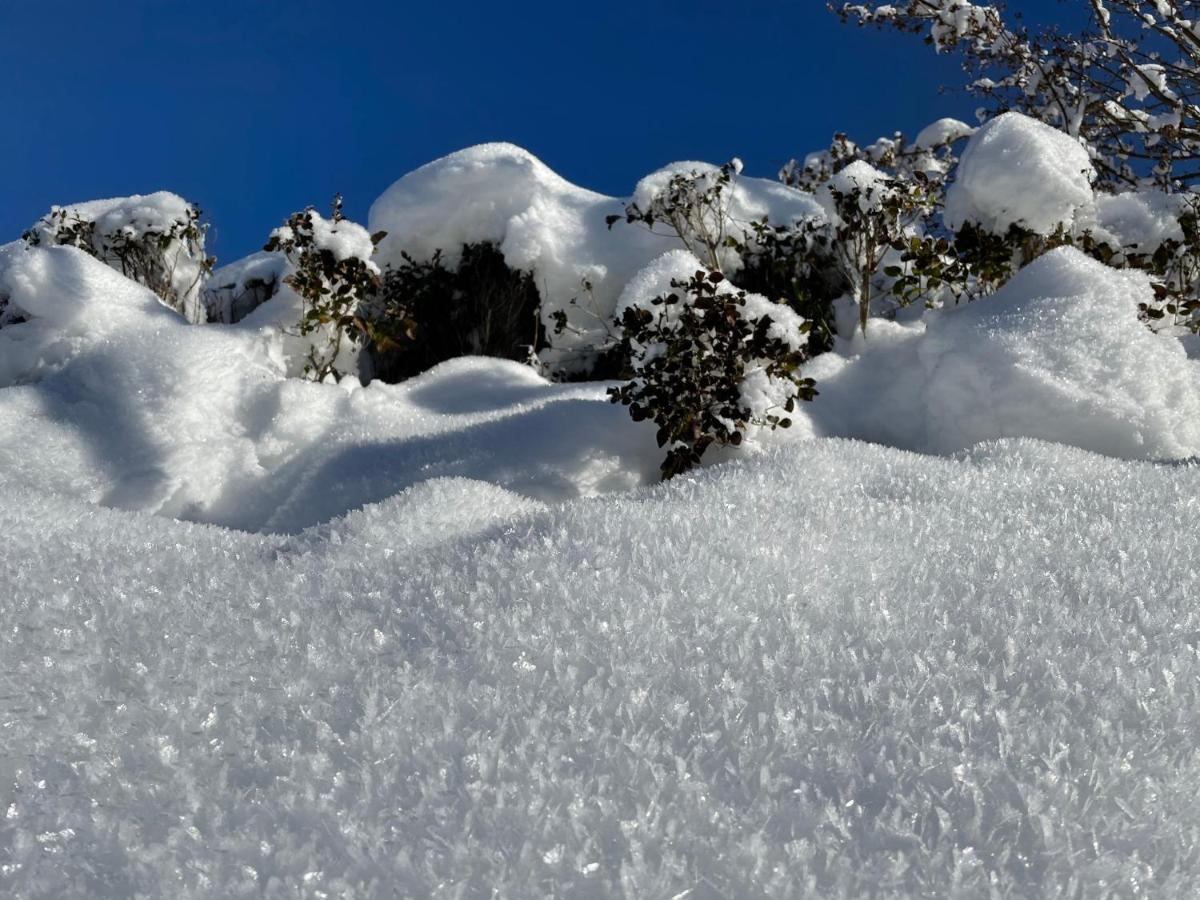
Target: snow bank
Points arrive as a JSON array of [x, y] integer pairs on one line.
[[1058, 354], [1019, 171], [896, 674], [120, 403], [544, 224]]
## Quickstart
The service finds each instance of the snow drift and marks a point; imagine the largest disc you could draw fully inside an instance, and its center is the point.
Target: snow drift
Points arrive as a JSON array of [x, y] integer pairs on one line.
[[115, 399], [1057, 354]]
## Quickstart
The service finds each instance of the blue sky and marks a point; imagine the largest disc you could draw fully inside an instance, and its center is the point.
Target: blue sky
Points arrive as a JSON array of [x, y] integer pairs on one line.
[[254, 109]]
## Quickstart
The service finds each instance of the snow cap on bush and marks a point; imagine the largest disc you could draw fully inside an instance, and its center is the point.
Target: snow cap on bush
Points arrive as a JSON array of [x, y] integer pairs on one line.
[[543, 224], [155, 239], [1019, 171]]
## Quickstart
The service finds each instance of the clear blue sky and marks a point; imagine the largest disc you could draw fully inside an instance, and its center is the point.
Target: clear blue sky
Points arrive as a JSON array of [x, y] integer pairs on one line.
[[254, 109]]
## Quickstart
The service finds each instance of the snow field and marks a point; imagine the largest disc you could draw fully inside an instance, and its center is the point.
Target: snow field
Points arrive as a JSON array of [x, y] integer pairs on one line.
[[834, 670]]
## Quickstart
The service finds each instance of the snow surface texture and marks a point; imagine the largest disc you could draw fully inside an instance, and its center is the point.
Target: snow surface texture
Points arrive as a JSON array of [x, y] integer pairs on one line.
[[1019, 171], [1057, 354], [543, 224], [123, 219], [840, 670]]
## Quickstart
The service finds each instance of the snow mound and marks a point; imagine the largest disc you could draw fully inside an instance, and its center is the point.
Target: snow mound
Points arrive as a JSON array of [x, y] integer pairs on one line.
[[117, 401], [543, 224], [1057, 354], [119, 221], [717, 682], [1019, 171]]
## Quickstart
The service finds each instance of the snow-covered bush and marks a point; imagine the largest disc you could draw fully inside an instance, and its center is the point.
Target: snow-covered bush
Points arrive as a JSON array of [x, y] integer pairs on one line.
[[870, 213], [542, 224], [556, 231], [711, 363], [693, 205], [426, 312], [916, 267], [1019, 171], [1128, 85], [236, 290], [795, 264], [334, 276], [157, 240], [929, 158], [784, 260]]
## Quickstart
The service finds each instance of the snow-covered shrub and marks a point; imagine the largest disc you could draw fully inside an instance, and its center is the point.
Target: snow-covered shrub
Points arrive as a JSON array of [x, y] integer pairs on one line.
[[1128, 85], [784, 260], [930, 157], [870, 213], [157, 240], [236, 290], [1019, 171], [556, 231], [794, 264], [711, 363], [426, 312], [693, 205], [334, 277]]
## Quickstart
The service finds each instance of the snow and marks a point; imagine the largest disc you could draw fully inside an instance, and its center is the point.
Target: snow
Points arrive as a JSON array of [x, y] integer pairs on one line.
[[236, 290], [542, 223], [942, 132], [715, 682], [120, 402], [1018, 171], [1141, 220], [265, 637], [1057, 354], [131, 218]]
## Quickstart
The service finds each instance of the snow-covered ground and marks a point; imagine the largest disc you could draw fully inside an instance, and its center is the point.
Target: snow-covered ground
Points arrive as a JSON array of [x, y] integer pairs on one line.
[[448, 638], [830, 670]]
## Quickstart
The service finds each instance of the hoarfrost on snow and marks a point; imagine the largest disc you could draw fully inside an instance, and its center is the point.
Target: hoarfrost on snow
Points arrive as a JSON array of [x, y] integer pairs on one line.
[[824, 670], [1019, 171]]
